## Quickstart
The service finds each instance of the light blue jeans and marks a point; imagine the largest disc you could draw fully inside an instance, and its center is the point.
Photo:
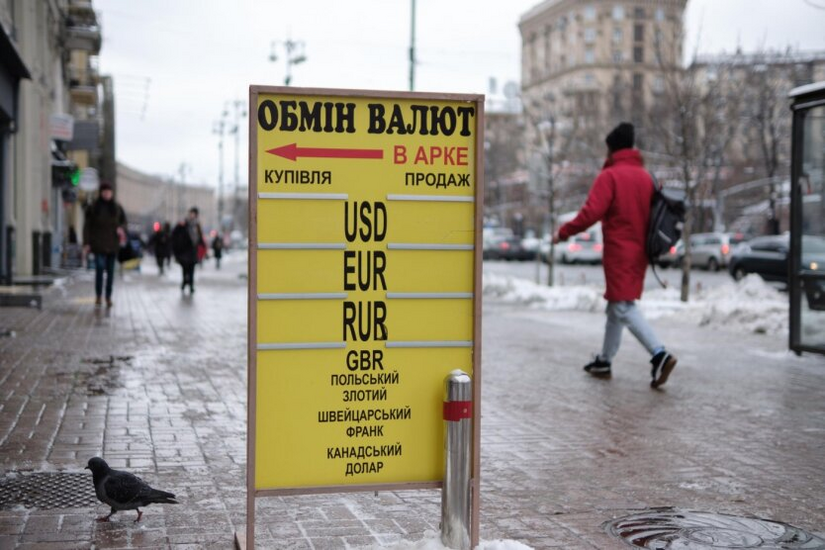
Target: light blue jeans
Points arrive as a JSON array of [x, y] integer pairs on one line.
[[626, 314]]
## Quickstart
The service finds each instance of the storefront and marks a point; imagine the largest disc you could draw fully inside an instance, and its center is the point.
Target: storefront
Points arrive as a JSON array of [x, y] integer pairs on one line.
[[12, 70]]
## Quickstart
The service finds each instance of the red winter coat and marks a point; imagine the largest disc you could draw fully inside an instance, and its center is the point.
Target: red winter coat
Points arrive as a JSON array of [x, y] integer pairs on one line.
[[620, 198]]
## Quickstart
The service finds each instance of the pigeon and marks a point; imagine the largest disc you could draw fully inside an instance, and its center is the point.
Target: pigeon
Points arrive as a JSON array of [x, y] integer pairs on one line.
[[122, 490]]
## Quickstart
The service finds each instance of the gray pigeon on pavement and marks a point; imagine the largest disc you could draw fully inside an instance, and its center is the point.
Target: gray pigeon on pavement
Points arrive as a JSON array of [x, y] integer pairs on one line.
[[124, 491]]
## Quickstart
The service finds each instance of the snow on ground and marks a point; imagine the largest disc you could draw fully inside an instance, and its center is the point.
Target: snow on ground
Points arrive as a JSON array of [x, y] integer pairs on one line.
[[750, 305], [432, 541]]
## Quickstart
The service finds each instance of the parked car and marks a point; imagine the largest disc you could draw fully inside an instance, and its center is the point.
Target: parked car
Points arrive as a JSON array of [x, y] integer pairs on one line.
[[492, 237], [712, 250], [673, 257], [585, 248], [512, 249], [768, 257]]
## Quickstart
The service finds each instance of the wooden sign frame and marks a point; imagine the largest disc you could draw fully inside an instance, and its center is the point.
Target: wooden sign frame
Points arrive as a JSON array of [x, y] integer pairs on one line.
[[246, 538]]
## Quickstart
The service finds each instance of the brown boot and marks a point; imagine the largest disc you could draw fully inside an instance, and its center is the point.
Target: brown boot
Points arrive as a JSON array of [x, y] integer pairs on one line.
[[98, 302]]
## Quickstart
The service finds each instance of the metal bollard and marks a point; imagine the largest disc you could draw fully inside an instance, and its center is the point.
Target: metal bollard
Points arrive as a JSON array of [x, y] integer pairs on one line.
[[458, 431]]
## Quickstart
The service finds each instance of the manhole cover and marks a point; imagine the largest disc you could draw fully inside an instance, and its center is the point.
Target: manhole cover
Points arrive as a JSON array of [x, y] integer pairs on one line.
[[669, 528], [47, 490]]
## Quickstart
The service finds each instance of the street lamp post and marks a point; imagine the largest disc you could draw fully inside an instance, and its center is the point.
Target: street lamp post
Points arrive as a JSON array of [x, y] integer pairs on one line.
[[239, 112], [220, 129], [412, 47], [294, 50]]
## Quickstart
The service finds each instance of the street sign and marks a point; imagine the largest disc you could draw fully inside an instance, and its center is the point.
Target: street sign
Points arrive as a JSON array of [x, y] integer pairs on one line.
[[364, 286], [89, 180], [62, 127]]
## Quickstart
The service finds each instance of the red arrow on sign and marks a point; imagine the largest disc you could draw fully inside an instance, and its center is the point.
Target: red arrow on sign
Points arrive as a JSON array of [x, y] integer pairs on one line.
[[292, 152]]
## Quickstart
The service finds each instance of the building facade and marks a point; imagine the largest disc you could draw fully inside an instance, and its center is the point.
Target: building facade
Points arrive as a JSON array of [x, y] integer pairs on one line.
[[600, 60], [54, 134], [33, 210], [147, 199], [13, 71]]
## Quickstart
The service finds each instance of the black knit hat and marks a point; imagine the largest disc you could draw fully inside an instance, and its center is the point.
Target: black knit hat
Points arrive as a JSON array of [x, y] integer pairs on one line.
[[621, 137]]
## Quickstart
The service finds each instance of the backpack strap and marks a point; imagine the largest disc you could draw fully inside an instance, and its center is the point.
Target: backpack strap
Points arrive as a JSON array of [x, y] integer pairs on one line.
[[657, 187]]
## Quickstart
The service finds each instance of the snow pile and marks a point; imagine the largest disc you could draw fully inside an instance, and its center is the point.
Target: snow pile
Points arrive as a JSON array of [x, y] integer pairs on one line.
[[432, 541], [557, 298], [750, 305]]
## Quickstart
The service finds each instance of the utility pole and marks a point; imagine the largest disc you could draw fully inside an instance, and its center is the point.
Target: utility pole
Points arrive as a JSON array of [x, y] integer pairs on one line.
[[412, 48], [219, 128], [294, 55]]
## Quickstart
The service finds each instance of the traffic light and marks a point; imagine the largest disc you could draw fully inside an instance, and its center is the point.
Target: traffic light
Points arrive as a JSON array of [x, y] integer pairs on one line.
[[65, 175]]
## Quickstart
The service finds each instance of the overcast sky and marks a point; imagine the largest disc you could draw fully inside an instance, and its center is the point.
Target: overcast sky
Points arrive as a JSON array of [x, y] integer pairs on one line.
[[177, 64]]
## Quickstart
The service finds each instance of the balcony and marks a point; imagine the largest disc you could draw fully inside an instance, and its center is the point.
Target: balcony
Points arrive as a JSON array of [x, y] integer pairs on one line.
[[82, 31], [83, 38], [83, 85]]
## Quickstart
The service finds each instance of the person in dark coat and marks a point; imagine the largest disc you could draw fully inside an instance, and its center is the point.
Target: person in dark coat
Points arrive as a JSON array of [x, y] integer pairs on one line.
[[185, 240], [620, 198], [104, 229], [162, 245], [217, 249]]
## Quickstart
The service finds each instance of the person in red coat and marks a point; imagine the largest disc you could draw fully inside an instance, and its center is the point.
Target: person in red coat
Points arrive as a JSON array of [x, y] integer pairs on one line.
[[620, 198]]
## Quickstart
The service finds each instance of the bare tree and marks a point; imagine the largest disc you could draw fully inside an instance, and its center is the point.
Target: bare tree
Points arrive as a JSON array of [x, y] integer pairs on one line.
[[552, 146], [768, 77], [699, 109]]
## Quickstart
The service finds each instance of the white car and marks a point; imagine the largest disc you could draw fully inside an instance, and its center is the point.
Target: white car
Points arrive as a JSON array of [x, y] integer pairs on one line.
[[584, 248]]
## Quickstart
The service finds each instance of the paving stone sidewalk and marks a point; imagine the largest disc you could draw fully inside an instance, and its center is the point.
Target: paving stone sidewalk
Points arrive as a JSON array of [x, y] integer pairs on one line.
[[158, 386]]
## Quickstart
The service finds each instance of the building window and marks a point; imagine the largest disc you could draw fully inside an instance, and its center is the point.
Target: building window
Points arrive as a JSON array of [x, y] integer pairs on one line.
[[638, 13], [660, 14], [658, 84], [618, 35], [561, 24], [618, 12], [589, 35], [617, 56], [638, 33], [638, 82], [638, 54], [589, 56], [590, 13]]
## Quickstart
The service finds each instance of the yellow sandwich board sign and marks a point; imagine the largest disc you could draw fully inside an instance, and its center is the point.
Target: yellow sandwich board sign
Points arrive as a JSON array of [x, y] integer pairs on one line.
[[364, 285]]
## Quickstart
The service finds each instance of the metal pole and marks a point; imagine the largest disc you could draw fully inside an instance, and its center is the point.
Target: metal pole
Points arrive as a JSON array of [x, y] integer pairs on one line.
[[220, 132], [458, 434], [412, 48]]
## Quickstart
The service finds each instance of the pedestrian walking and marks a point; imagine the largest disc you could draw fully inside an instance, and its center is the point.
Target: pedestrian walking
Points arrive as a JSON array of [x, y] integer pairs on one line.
[[161, 245], [217, 249], [104, 231], [620, 198], [186, 238]]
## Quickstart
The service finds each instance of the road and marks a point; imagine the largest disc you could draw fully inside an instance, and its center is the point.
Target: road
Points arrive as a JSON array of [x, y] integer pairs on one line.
[[593, 274]]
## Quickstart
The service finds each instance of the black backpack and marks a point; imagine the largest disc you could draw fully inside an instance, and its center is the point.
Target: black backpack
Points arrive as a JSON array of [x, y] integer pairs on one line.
[[667, 218]]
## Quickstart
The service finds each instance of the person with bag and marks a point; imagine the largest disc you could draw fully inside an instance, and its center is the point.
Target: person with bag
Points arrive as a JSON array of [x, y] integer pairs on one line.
[[160, 243], [186, 238], [621, 198], [104, 231], [217, 249]]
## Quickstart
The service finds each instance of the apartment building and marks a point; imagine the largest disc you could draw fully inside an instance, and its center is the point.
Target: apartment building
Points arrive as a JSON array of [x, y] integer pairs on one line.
[[599, 60]]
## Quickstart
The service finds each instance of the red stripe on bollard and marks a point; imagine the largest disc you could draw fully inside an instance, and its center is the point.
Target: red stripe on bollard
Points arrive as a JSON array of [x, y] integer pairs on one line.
[[456, 410]]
